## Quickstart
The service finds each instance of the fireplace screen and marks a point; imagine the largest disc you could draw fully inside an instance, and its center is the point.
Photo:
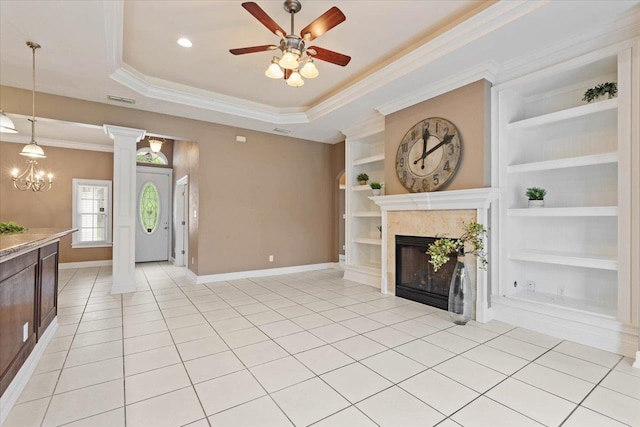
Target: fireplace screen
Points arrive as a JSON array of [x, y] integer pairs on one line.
[[415, 278]]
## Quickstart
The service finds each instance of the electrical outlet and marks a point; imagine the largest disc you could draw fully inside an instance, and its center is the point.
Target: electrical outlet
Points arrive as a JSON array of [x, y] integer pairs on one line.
[[193, 260], [270, 258], [25, 332], [531, 285]]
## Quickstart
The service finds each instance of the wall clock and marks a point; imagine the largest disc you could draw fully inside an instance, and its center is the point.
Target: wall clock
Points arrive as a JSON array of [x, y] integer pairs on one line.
[[428, 155]]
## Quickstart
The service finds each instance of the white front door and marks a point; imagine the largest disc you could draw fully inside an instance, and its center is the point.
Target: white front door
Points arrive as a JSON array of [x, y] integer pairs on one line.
[[152, 230]]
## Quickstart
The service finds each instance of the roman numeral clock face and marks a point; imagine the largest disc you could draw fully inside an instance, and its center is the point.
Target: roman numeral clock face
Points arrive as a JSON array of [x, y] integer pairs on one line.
[[428, 155]]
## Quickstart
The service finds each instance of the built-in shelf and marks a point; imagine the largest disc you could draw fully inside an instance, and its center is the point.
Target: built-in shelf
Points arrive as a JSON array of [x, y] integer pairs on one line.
[[370, 159], [365, 214], [570, 113], [573, 211], [368, 241], [570, 259], [360, 187], [570, 162], [566, 303]]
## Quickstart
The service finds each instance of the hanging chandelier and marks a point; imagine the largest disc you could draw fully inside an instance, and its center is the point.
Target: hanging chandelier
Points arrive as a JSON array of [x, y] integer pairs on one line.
[[297, 60], [32, 178]]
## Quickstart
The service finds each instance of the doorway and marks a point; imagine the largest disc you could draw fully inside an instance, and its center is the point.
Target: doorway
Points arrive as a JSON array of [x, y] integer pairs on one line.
[[181, 226], [153, 213]]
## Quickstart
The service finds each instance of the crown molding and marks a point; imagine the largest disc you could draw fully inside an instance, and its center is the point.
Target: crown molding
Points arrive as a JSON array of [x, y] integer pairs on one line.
[[475, 27], [372, 125], [114, 30], [616, 35], [59, 143], [488, 71]]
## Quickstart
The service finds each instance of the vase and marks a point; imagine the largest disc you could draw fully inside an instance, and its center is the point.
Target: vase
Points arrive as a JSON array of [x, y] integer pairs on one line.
[[536, 203], [376, 191], [460, 294]]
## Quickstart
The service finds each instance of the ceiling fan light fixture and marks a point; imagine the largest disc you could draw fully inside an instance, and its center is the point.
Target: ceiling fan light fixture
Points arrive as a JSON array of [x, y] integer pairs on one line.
[[289, 61], [6, 124], [274, 71], [295, 80], [309, 70]]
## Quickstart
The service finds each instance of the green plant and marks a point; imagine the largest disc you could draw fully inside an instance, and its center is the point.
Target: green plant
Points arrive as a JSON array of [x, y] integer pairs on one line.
[[375, 185], [362, 177], [473, 237], [610, 88], [536, 193], [10, 227]]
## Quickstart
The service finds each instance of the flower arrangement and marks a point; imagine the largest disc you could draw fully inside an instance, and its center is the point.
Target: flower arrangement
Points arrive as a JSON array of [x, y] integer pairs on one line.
[[473, 236], [610, 88]]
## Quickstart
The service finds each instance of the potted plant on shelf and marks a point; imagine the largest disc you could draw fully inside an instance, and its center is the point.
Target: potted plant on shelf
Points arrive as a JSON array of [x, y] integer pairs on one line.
[[376, 187], [379, 227], [609, 88], [461, 291], [536, 197], [363, 178]]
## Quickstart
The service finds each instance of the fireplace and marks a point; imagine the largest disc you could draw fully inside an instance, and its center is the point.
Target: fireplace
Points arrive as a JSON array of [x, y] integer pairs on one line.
[[415, 278]]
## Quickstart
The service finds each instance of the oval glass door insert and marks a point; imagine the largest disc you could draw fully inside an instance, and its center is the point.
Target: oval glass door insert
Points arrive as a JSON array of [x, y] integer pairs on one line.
[[149, 207]]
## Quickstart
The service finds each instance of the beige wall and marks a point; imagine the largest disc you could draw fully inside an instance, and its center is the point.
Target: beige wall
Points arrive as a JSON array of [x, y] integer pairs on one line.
[[468, 108], [53, 208], [272, 195]]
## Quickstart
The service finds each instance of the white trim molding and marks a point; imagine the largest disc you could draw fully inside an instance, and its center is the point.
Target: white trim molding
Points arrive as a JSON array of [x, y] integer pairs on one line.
[[479, 199], [221, 277]]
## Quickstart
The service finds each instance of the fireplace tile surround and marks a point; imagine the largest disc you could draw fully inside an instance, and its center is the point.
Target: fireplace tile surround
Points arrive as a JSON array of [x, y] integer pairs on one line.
[[432, 214]]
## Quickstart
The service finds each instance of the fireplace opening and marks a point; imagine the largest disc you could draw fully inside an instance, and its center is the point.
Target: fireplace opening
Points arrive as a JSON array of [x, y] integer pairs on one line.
[[415, 278]]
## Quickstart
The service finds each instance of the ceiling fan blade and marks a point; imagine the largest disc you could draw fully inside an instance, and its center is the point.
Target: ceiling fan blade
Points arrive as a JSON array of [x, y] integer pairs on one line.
[[328, 56], [253, 49], [324, 23], [264, 19]]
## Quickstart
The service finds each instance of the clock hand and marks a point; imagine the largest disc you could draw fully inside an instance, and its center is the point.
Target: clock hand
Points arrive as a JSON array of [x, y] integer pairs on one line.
[[446, 139], [425, 137]]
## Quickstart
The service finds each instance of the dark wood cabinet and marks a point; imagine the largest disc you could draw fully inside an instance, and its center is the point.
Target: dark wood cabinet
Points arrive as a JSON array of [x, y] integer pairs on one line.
[[28, 301]]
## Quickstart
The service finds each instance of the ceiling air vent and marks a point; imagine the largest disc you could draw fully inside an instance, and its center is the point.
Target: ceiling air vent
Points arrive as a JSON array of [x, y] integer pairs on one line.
[[282, 130], [121, 99]]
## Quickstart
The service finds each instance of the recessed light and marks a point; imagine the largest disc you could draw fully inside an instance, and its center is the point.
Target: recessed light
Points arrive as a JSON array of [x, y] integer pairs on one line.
[[184, 42]]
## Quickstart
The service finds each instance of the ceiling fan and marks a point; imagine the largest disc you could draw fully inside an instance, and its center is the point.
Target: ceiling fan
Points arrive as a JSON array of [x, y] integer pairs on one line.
[[293, 65]]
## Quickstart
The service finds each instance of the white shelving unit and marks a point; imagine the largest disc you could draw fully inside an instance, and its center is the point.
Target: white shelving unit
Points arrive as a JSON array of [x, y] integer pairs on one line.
[[364, 154], [565, 268]]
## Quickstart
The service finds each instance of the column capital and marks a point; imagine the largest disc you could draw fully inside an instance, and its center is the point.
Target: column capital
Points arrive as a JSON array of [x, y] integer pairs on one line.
[[123, 132]]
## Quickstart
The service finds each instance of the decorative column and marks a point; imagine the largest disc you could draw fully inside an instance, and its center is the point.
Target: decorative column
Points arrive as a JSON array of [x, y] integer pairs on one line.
[[124, 206]]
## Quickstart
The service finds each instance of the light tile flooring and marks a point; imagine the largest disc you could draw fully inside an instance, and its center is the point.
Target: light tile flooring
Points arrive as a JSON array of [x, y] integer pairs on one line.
[[304, 349]]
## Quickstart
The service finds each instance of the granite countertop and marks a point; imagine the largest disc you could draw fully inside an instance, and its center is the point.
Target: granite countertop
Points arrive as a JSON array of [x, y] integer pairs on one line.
[[10, 244]]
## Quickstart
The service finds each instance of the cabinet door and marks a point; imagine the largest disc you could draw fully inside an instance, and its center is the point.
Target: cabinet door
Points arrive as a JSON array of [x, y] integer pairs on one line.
[[48, 292], [18, 278]]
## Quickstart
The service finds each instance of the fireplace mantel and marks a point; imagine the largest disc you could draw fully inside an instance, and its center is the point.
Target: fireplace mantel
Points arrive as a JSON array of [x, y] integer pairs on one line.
[[477, 199]]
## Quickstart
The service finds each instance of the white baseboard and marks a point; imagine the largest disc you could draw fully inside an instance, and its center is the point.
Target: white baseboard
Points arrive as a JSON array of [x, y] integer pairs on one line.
[[363, 275], [84, 264], [603, 333], [18, 384], [636, 364], [209, 278]]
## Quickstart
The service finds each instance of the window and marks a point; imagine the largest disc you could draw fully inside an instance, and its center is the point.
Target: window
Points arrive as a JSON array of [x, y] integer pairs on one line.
[[91, 213], [149, 208], [144, 155]]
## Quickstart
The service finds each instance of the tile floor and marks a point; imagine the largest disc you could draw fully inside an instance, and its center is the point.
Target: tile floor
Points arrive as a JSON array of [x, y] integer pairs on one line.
[[304, 349]]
